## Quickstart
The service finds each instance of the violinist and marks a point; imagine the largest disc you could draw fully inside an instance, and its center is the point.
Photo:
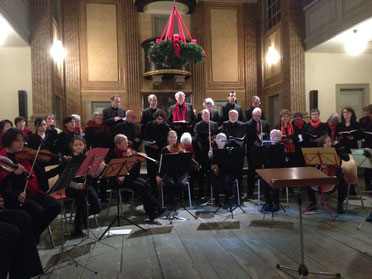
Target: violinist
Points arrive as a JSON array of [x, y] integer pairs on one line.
[[132, 180], [155, 138], [203, 132], [42, 208], [18, 252], [174, 183], [326, 141]]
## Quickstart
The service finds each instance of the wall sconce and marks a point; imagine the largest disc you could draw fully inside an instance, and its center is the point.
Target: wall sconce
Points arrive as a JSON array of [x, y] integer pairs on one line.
[[355, 44], [4, 30], [57, 51], [272, 56]]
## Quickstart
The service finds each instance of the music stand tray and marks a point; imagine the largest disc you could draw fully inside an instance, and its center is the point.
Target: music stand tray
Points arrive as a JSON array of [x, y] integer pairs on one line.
[[176, 163], [117, 168], [298, 177]]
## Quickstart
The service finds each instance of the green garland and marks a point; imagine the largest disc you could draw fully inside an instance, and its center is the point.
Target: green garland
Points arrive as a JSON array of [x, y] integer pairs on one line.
[[162, 54]]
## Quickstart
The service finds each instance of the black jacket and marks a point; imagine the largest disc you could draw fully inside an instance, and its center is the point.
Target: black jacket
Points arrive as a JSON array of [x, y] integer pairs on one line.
[[189, 114], [248, 113], [225, 111], [110, 113], [215, 116]]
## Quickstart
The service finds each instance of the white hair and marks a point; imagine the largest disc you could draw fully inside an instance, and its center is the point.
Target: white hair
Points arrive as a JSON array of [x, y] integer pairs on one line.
[[179, 92], [208, 101], [276, 133], [76, 116], [186, 139], [233, 111], [256, 109], [221, 137]]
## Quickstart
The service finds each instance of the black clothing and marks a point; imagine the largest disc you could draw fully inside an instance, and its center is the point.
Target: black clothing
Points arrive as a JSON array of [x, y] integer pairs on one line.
[[343, 140], [63, 143], [34, 141], [363, 122], [214, 116], [201, 149], [190, 119], [248, 113], [227, 107], [158, 133], [52, 137], [95, 139], [130, 130], [309, 133], [148, 115], [18, 252], [110, 113]]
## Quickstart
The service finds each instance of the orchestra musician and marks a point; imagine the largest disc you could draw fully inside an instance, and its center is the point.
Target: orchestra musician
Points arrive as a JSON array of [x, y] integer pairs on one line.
[[257, 131], [231, 105], [326, 141], [130, 129], [40, 137], [236, 131], [19, 257], [132, 180], [314, 129], [208, 104], [42, 208], [256, 101], [183, 112], [155, 136], [203, 133]]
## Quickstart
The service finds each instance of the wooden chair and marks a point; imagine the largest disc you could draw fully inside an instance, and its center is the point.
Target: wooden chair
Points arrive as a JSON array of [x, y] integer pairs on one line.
[[350, 171]]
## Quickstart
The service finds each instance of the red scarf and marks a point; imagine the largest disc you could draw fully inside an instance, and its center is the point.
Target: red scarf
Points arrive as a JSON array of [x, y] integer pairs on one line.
[[333, 131], [299, 123], [98, 129], [289, 131], [68, 132], [177, 112], [315, 124]]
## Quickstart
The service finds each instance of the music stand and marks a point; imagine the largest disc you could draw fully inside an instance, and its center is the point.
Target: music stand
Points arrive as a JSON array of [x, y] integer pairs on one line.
[[175, 163], [117, 168], [229, 155], [298, 177], [269, 155], [321, 156], [363, 159]]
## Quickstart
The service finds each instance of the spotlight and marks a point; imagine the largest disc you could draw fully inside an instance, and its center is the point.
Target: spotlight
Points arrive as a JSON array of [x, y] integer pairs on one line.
[[57, 51], [356, 44], [272, 56]]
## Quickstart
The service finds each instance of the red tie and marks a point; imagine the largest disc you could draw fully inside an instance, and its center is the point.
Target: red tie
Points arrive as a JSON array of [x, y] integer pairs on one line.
[[258, 127]]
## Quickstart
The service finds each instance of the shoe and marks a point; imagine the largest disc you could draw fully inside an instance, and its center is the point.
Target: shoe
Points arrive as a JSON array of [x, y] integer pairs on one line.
[[309, 208], [76, 234], [340, 208], [153, 215], [267, 207]]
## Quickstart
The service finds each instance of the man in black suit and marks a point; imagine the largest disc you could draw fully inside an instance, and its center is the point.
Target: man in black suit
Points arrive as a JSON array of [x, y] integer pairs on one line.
[[236, 129], [256, 101], [183, 112], [214, 114], [113, 114], [129, 129], [230, 105], [257, 131], [148, 113]]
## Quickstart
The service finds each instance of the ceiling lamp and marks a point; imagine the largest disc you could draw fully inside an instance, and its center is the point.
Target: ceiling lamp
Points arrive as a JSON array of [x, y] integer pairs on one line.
[[4, 30], [163, 6], [355, 44], [272, 56]]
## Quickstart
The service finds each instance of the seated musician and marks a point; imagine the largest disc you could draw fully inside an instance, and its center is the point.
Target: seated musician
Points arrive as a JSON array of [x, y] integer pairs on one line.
[[18, 253], [42, 208], [222, 170], [326, 141], [132, 180], [130, 130], [174, 183], [272, 195]]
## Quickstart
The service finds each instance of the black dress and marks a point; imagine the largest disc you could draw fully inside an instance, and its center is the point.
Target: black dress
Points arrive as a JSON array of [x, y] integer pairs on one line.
[[343, 140]]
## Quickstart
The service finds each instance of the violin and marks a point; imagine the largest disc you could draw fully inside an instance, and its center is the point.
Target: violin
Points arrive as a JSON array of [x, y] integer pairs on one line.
[[180, 148], [27, 153], [8, 165], [140, 156]]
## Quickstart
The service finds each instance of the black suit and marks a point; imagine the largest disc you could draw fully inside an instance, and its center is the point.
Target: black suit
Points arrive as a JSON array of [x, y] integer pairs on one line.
[[147, 116], [130, 130], [252, 138], [110, 113], [190, 118], [225, 111], [215, 116], [248, 113]]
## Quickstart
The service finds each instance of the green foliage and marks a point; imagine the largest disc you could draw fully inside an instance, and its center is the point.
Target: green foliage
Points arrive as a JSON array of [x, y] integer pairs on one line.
[[163, 55]]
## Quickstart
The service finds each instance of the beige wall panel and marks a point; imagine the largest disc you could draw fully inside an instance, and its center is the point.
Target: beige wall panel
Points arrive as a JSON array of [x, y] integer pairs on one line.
[[224, 41], [102, 44], [144, 26], [274, 39]]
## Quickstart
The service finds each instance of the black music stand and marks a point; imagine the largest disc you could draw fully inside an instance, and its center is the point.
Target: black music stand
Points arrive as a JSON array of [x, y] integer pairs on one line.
[[118, 168], [317, 156], [229, 155], [175, 163], [269, 155]]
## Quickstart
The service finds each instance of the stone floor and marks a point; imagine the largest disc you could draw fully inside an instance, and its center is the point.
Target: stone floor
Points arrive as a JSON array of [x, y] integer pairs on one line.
[[215, 246]]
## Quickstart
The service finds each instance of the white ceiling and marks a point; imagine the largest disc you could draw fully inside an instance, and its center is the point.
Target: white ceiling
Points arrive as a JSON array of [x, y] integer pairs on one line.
[[337, 43], [12, 39]]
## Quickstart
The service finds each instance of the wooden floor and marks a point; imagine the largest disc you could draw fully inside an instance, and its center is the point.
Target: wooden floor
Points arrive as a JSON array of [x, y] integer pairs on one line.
[[216, 246]]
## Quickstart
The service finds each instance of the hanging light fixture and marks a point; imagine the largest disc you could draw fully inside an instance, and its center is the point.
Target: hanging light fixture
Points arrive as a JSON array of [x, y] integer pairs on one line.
[[355, 44]]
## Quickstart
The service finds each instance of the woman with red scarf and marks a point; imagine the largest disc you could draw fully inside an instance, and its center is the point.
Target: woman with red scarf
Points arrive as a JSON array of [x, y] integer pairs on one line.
[[314, 129], [288, 136], [97, 133], [64, 139], [332, 123]]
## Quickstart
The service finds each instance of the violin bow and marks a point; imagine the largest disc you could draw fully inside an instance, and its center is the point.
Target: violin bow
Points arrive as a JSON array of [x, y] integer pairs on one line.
[[32, 168]]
